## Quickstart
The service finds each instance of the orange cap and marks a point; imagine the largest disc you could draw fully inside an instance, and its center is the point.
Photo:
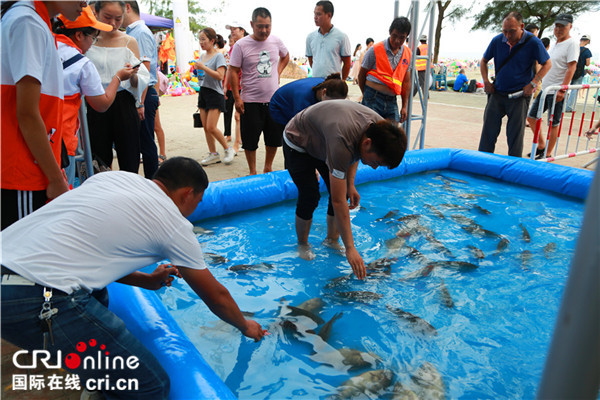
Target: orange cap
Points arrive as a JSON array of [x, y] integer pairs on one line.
[[85, 20]]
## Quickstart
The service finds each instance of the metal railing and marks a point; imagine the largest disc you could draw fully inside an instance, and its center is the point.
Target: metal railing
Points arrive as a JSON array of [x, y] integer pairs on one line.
[[568, 149]]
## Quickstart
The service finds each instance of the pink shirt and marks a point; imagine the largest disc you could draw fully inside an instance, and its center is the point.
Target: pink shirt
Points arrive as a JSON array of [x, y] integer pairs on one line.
[[258, 62]]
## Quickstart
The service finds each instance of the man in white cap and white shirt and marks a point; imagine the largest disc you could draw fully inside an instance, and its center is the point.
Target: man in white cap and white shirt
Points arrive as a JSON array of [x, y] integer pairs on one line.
[[585, 56]]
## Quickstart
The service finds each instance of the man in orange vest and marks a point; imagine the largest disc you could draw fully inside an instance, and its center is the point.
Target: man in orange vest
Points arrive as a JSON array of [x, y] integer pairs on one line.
[[421, 64], [385, 73]]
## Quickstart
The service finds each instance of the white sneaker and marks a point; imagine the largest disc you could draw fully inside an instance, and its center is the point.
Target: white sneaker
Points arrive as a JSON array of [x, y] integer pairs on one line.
[[229, 154], [211, 158]]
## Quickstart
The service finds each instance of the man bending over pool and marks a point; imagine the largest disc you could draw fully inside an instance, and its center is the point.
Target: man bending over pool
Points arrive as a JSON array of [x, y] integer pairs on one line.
[[331, 137], [57, 262]]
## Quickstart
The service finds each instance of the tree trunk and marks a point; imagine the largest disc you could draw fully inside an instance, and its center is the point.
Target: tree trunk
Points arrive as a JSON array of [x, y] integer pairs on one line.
[[438, 28]]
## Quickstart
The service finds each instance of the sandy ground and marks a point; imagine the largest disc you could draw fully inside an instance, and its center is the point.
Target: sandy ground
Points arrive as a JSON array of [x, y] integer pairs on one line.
[[453, 120]]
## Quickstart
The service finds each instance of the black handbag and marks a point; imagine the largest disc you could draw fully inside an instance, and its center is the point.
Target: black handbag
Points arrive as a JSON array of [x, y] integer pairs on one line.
[[197, 120]]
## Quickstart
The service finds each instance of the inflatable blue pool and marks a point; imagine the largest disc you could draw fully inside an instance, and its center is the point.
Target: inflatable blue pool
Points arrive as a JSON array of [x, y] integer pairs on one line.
[[148, 319]]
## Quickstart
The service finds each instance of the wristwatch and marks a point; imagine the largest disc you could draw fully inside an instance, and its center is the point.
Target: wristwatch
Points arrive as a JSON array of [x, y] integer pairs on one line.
[[140, 105], [533, 84]]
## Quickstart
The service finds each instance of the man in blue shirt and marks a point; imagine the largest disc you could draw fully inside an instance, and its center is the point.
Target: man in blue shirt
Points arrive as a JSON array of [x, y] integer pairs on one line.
[[328, 49], [461, 83], [147, 108], [514, 52]]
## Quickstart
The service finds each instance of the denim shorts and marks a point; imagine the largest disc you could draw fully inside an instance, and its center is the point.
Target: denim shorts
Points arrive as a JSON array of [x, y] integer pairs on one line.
[[83, 327], [383, 104], [547, 104]]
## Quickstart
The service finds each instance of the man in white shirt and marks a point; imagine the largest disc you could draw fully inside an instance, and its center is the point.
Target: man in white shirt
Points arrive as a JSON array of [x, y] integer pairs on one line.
[[564, 57], [68, 251], [328, 49]]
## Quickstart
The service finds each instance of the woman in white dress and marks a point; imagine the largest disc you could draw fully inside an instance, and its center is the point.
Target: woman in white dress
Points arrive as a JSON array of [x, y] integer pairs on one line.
[[120, 124]]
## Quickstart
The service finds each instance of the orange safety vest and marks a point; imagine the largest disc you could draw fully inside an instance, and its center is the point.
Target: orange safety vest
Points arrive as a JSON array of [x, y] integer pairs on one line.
[[70, 109], [421, 64], [20, 170], [383, 69]]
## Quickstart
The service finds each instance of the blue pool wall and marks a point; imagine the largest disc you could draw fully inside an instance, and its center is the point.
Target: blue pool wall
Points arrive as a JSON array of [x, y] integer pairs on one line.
[[149, 320]]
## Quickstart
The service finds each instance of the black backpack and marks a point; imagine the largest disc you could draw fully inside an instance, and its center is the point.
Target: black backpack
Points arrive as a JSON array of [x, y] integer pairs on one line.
[[472, 88], [580, 65]]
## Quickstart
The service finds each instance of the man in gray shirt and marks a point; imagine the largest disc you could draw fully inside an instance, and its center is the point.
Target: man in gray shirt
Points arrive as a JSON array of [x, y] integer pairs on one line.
[[331, 137]]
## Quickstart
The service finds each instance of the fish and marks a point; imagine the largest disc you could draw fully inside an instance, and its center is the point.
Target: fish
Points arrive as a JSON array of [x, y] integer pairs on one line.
[[251, 267], [365, 385], [359, 295], [461, 219], [399, 392], [502, 244], [476, 252], [476, 229], [325, 330], [462, 266], [454, 206], [425, 271], [480, 209], [395, 243], [470, 196], [439, 246], [295, 312], [549, 248], [456, 180], [430, 382], [526, 256], [215, 258], [345, 359], [202, 231], [416, 254], [445, 295], [313, 305], [358, 359], [340, 280], [435, 211], [381, 263], [390, 214], [409, 218], [526, 236], [418, 323]]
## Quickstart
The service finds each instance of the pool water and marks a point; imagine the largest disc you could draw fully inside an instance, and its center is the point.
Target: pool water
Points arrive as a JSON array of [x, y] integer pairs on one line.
[[440, 320]]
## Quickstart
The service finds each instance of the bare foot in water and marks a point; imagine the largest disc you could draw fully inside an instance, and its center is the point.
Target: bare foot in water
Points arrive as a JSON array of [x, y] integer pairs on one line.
[[333, 244], [305, 252]]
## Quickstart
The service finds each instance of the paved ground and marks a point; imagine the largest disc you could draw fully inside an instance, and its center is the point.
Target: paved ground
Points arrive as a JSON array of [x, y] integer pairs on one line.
[[453, 120]]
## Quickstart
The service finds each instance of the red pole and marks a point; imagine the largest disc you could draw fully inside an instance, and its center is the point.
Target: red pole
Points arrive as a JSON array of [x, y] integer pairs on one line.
[[581, 125]]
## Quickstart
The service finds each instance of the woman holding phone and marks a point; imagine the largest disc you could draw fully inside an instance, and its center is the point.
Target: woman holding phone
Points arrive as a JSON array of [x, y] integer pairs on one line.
[[120, 124]]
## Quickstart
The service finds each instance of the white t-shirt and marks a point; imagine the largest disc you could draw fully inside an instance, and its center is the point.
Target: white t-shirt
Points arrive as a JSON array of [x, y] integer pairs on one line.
[[561, 55], [81, 76], [108, 60], [114, 224]]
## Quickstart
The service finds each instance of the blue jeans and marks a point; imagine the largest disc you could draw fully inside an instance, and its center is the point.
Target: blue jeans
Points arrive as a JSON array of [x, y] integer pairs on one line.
[[573, 95], [382, 104], [83, 317], [147, 143], [70, 170]]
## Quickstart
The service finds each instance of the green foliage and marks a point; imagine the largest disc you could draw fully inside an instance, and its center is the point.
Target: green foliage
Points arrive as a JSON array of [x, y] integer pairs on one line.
[[541, 13], [197, 14]]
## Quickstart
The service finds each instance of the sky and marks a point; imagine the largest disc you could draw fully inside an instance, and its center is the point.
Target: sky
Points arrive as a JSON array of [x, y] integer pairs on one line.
[[293, 20]]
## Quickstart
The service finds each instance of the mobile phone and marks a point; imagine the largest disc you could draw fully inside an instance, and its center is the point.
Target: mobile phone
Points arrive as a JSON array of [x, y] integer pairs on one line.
[[136, 65]]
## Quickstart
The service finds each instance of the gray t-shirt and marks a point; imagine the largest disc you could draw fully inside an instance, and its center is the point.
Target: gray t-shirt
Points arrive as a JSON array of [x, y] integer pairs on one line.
[[217, 61], [331, 131]]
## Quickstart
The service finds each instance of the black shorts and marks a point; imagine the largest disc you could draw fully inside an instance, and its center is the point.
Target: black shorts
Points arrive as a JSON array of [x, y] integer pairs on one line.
[[17, 204], [256, 119], [209, 99]]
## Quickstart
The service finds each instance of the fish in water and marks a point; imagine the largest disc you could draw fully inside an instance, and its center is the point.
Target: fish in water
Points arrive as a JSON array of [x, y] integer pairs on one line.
[[343, 359], [400, 392], [418, 323], [549, 248], [461, 219], [454, 206], [438, 246], [435, 211], [445, 295], [526, 236], [215, 258], [335, 282], [456, 180], [365, 385], [313, 305], [359, 295], [251, 267], [390, 214], [416, 254], [430, 382], [395, 243], [409, 218], [382, 263], [425, 271], [476, 252], [462, 266], [295, 312], [476, 229], [526, 256], [358, 359], [480, 209], [470, 196], [502, 244], [201, 231], [325, 330]]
